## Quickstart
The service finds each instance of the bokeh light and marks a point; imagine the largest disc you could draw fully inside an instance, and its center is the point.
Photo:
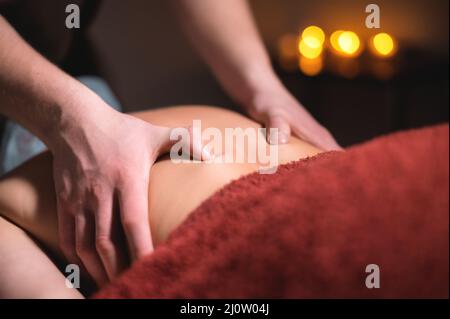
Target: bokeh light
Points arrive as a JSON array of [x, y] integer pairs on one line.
[[349, 42], [313, 36], [311, 67], [383, 45], [305, 51], [345, 43], [308, 51], [311, 42], [334, 40]]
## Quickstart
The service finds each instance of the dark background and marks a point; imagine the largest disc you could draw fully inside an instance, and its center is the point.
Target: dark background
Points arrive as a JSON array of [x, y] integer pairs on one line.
[[138, 47]]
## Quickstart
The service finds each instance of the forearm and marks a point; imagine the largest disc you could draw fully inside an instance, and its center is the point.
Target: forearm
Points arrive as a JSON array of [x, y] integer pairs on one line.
[[35, 92], [226, 36]]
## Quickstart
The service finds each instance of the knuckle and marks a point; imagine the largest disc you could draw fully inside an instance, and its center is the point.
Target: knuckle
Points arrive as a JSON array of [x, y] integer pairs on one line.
[[103, 244], [275, 120], [129, 222]]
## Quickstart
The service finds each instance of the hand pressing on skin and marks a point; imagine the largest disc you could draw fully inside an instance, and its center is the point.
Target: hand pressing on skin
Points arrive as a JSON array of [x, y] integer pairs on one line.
[[96, 163], [101, 158], [226, 36], [272, 105]]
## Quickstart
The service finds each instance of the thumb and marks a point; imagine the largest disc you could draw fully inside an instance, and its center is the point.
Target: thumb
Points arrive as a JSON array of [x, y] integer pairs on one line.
[[196, 145], [169, 136], [283, 130]]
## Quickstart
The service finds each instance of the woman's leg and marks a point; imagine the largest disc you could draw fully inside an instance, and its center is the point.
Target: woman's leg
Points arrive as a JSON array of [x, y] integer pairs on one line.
[[26, 271], [28, 223], [27, 200]]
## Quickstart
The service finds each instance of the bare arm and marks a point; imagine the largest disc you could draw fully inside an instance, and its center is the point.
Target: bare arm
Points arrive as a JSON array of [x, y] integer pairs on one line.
[[226, 36], [100, 156], [33, 90]]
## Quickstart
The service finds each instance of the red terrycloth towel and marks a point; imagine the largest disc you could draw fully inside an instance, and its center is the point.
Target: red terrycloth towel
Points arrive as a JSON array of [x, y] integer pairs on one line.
[[311, 229]]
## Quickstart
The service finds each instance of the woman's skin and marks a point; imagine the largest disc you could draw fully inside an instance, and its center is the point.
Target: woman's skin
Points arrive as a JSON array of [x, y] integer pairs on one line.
[[28, 222]]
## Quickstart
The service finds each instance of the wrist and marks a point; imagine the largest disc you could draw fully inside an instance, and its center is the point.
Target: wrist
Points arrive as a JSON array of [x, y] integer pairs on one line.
[[79, 115], [259, 79]]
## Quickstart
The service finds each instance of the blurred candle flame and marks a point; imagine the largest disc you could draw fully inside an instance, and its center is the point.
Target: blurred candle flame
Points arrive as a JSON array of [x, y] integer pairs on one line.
[[313, 36], [345, 43], [334, 40], [311, 42], [311, 67], [383, 45], [305, 51], [349, 42], [308, 51]]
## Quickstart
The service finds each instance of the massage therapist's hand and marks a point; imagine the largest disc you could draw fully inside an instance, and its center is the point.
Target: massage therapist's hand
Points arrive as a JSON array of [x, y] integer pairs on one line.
[[226, 36], [99, 157], [271, 104]]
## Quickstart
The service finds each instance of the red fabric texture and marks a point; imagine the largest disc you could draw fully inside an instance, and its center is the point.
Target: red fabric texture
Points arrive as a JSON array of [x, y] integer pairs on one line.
[[309, 230]]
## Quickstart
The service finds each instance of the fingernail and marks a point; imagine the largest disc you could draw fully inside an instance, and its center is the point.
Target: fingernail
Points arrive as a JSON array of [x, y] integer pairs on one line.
[[282, 138]]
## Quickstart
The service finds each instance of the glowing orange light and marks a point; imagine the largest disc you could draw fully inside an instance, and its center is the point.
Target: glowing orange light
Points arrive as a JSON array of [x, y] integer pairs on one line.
[[311, 42], [310, 67], [345, 43], [334, 40], [383, 45], [313, 36], [349, 42], [308, 51]]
